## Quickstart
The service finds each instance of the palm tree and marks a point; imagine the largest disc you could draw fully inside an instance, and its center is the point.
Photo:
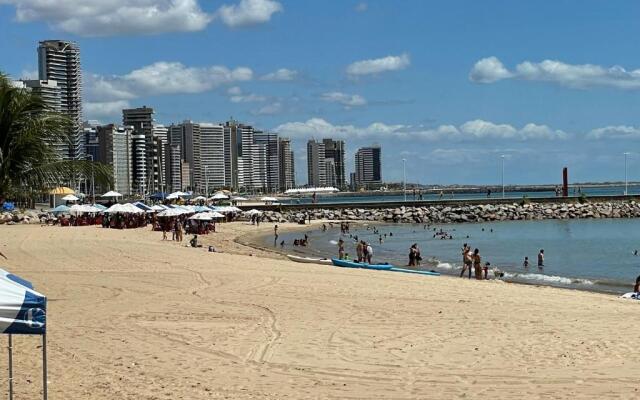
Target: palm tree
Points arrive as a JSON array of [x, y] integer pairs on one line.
[[29, 165]]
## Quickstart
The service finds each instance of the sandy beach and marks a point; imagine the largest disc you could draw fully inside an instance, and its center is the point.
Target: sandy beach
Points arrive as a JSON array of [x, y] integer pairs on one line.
[[133, 317]]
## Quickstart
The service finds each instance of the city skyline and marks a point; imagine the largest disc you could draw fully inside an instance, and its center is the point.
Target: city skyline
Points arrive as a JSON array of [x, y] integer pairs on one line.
[[451, 101]]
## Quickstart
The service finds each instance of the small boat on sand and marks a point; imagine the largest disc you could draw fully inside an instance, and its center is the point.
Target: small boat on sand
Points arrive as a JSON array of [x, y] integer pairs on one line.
[[309, 260], [354, 264]]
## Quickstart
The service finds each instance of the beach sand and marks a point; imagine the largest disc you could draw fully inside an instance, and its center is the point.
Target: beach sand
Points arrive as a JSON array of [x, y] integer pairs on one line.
[[132, 317]]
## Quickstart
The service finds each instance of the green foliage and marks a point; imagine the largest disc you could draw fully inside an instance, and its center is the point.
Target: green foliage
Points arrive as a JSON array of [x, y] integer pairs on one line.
[[582, 199], [29, 165]]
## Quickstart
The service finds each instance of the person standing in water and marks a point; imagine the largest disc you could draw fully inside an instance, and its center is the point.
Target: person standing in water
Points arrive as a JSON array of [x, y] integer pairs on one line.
[[466, 260], [526, 262], [359, 251], [341, 249], [636, 288], [369, 253], [477, 263], [541, 259]]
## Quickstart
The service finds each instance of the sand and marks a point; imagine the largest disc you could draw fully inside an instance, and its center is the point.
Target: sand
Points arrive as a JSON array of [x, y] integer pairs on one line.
[[132, 317]]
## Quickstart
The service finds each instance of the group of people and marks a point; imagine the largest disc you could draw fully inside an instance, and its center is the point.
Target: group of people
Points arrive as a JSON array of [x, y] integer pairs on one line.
[[364, 251], [525, 263], [471, 260]]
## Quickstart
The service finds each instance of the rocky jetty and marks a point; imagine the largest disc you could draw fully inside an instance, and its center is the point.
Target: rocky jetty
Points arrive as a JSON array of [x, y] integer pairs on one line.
[[21, 217], [465, 213]]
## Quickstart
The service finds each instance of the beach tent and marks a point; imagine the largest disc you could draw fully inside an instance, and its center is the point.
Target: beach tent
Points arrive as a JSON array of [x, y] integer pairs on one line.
[[22, 312], [143, 206], [172, 212], [253, 212], [202, 217], [70, 197], [199, 198], [83, 208], [158, 207], [123, 209], [99, 206], [214, 214]]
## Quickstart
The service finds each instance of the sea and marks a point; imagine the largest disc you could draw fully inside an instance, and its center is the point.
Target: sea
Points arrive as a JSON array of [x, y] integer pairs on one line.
[[586, 254]]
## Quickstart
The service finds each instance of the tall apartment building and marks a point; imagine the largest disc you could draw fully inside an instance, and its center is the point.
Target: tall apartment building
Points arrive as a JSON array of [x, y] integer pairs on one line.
[[368, 166], [334, 149], [91, 140], [286, 167], [48, 90], [316, 172], [115, 150], [187, 136], [158, 158], [59, 61], [212, 156], [239, 148], [141, 120], [271, 182], [173, 167]]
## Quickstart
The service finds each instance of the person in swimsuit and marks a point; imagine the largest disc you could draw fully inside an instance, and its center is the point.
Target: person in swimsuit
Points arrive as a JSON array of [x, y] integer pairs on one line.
[[359, 251], [636, 288], [526, 262], [477, 263], [341, 249], [541, 259], [466, 260]]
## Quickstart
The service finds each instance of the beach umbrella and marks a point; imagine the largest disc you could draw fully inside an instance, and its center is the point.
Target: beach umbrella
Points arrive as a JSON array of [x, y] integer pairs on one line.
[[83, 208], [62, 190], [253, 212], [239, 198], [214, 214], [171, 212], [202, 217], [115, 209], [70, 197], [111, 194], [219, 196], [158, 207], [99, 207], [60, 209], [199, 198], [268, 199], [143, 206], [132, 209]]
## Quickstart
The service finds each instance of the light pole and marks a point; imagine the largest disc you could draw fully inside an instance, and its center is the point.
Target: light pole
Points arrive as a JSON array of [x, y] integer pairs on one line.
[[502, 158], [93, 185], [626, 185], [206, 181], [404, 178]]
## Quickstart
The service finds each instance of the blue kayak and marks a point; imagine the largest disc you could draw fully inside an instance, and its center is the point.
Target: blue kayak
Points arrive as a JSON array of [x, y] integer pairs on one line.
[[353, 264], [415, 271]]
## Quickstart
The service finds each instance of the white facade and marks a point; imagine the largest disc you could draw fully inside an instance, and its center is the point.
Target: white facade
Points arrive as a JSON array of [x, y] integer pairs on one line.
[[212, 156]]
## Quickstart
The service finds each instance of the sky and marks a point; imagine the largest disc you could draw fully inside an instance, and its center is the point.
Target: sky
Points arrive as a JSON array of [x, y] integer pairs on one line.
[[450, 86]]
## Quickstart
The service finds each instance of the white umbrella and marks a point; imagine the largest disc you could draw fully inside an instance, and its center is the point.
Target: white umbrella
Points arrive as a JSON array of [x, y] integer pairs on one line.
[[239, 198], [84, 208], [253, 212], [171, 212], [202, 217], [115, 209], [268, 199], [70, 197], [219, 196], [214, 214], [199, 198], [158, 208], [111, 194]]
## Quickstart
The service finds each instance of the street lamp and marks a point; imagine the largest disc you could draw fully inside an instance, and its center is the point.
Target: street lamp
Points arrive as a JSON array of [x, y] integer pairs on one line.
[[626, 185], [404, 178], [93, 185], [502, 158]]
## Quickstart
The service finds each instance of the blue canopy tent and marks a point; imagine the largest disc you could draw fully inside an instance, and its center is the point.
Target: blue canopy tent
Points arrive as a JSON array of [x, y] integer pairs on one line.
[[158, 196], [143, 206], [22, 312]]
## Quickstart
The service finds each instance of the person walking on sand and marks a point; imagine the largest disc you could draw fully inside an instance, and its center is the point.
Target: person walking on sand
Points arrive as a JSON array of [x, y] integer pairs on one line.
[[359, 251], [341, 249], [369, 253], [477, 263], [541, 259]]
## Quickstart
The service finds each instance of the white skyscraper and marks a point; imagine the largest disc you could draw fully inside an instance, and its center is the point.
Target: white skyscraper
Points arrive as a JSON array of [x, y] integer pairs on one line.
[[212, 156], [59, 61]]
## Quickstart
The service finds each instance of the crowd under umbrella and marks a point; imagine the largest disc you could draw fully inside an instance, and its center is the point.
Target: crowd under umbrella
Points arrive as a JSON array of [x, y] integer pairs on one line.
[[78, 209]]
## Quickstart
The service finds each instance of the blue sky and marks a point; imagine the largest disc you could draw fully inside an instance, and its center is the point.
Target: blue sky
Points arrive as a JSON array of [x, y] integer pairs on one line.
[[450, 86]]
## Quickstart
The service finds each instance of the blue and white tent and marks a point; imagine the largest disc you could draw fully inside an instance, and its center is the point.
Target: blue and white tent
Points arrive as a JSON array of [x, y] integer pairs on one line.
[[22, 309]]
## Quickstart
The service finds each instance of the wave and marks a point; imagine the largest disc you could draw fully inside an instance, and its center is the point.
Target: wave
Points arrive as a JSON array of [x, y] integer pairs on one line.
[[333, 241], [445, 265], [549, 278]]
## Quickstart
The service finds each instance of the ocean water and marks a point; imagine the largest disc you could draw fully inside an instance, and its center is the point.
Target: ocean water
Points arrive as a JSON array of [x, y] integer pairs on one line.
[[584, 254], [430, 195]]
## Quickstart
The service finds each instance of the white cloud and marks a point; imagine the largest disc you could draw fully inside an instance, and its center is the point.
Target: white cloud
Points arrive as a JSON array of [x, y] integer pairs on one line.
[[97, 110], [163, 78], [379, 65], [236, 95], [29, 74], [362, 7], [114, 17], [615, 132], [270, 109], [469, 131], [578, 76], [283, 74], [488, 70], [347, 100], [248, 12]]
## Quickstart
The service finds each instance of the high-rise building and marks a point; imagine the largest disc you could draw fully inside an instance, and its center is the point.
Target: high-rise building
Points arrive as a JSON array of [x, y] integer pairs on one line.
[[271, 181], [368, 167], [212, 156], [330, 172], [239, 147], [158, 179], [173, 167], [187, 136], [48, 90], [334, 149], [59, 61], [286, 168], [141, 120], [115, 150], [91, 140], [316, 172]]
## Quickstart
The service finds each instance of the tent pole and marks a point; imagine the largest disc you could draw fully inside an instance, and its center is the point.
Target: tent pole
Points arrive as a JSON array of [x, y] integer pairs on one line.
[[10, 368], [44, 366]]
